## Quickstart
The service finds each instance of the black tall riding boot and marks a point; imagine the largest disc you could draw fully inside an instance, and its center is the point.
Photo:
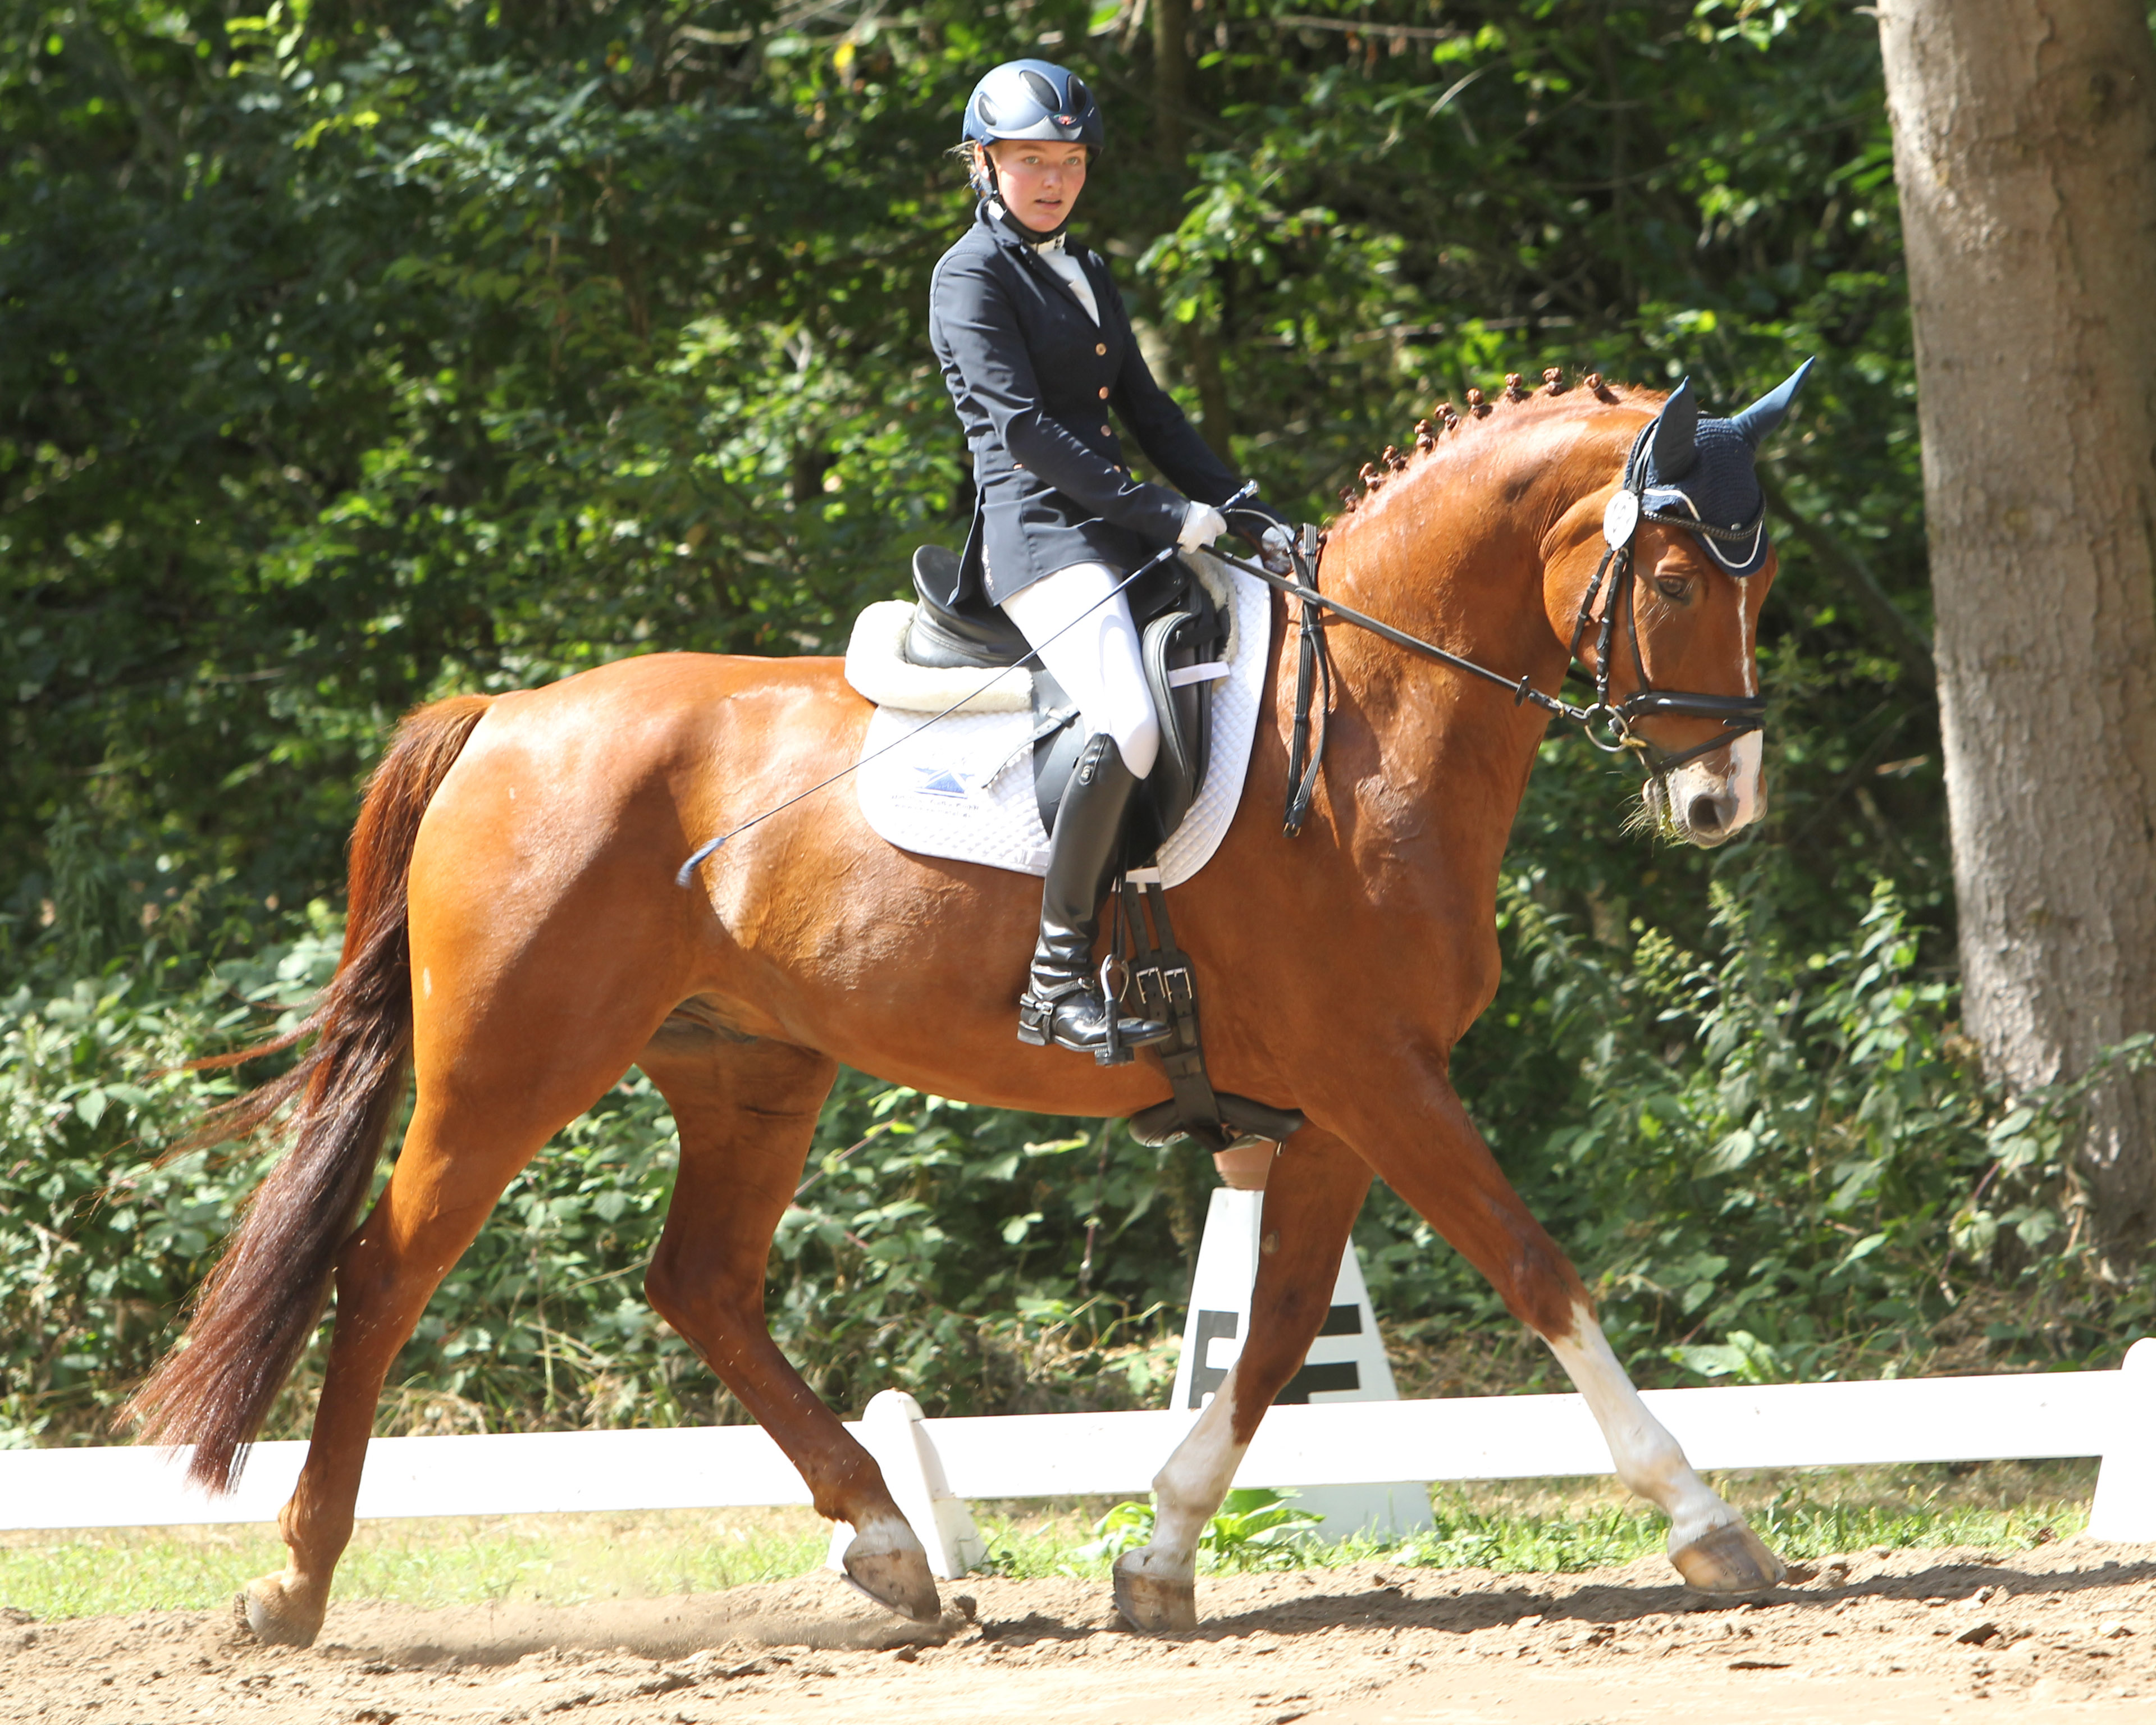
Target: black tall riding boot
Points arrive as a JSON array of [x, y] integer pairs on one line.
[[1063, 1001]]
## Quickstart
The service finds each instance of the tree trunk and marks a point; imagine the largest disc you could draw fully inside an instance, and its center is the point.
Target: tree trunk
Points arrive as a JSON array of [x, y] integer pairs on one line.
[[1214, 415], [1171, 98], [1171, 76], [2024, 147]]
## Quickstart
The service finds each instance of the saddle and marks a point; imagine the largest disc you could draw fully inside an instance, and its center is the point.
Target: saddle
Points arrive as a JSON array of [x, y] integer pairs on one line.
[[1182, 636]]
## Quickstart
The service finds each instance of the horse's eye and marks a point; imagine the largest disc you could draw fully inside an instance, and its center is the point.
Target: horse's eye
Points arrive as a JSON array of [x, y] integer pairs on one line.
[[1673, 586]]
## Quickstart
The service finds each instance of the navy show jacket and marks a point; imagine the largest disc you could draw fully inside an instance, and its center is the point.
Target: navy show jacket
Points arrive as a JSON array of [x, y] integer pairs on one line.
[[1033, 379]]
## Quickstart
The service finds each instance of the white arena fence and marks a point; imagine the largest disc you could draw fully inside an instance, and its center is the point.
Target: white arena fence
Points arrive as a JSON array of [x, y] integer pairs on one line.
[[932, 1462]]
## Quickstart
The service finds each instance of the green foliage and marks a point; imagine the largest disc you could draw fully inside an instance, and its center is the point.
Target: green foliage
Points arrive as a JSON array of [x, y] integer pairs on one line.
[[98, 1241], [1255, 1528], [357, 355], [356, 358], [1776, 1164]]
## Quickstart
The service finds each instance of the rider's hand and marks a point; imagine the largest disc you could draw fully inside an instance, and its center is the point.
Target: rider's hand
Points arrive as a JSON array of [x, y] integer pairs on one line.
[[1202, 524], [1269, 532]]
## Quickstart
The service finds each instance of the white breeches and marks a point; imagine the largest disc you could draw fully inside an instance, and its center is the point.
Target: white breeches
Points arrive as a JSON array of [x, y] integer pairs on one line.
[[1093, 654]]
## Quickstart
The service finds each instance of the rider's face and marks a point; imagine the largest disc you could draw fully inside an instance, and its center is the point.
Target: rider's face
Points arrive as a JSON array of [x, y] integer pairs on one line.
[[1040, 180]]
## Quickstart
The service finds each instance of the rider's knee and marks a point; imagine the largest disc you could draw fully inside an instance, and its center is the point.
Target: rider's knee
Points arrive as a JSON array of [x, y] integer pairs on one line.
[[1138, 738]]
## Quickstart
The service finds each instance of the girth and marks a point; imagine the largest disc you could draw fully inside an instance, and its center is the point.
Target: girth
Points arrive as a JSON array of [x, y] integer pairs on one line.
[[1167, 989]]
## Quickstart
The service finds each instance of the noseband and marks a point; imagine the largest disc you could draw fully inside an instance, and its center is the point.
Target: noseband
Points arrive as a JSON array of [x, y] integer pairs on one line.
[[1620, 531]]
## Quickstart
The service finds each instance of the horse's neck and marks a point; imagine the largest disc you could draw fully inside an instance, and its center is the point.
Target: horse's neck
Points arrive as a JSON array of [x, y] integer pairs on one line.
[[1446, 753]]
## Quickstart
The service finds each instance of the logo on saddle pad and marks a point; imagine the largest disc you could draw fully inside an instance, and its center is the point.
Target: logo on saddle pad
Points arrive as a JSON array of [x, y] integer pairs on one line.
[[943, 783]]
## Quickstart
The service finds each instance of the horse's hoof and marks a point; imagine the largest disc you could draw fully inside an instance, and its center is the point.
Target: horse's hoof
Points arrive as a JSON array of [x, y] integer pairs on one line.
[[897, 1578], [1729, 1560], [1154, 1604], [274, 1616]]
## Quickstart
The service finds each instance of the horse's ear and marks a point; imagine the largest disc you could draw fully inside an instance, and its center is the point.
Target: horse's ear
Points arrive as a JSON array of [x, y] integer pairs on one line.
[[1767, 413], [1675, 445]]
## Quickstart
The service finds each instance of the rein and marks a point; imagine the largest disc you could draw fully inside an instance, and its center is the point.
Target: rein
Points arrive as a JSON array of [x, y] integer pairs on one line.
[[1620, 529]]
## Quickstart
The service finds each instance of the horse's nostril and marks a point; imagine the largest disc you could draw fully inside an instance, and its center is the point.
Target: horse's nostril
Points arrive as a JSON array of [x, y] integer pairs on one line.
[[1704, 814]]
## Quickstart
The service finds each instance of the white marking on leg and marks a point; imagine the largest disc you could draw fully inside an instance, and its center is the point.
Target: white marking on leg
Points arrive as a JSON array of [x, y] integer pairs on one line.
[[1191, 1484], [884, 1535], [1649, 1459]]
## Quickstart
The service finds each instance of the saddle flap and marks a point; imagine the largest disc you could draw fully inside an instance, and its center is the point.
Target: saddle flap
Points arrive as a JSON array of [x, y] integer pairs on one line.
[[1175, 645], [1058, 735]]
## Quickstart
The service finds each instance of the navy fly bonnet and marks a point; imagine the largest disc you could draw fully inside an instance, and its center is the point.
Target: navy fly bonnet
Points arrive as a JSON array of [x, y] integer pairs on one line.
[[1698, 472]]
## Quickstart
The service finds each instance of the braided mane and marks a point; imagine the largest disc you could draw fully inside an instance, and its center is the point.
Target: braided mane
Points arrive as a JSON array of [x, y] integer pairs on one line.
[[1437, 433]]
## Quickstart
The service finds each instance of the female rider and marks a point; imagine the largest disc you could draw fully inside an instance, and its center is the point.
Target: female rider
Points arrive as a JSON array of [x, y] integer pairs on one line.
[[1036, 347]]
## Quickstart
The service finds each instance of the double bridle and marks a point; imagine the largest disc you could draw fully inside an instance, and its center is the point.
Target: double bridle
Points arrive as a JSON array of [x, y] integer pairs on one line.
[[1606, 725]]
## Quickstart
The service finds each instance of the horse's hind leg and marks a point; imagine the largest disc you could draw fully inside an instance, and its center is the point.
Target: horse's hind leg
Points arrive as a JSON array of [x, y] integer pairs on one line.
[[748, 1113], [1312, 1195], [1435, 1160], [454, 1165]]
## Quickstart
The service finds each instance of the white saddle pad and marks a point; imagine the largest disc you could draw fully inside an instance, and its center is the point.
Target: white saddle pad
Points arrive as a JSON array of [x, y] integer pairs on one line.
[[963, 789]]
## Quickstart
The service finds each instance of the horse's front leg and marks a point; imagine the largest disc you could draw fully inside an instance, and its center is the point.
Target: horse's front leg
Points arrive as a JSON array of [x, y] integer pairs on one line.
[[1312, 1196], [1431, 1154]]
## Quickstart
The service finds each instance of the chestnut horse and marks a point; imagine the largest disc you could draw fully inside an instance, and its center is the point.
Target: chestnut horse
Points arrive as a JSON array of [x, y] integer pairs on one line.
[[517, 939]]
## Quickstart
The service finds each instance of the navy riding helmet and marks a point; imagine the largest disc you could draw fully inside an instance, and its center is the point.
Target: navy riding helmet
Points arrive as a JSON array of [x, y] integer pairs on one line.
[[1031, 99]]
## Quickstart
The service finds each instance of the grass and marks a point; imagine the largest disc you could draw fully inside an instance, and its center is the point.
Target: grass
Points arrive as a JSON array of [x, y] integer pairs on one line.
[[566, 1560], [449, 1561], [1801, 1518]]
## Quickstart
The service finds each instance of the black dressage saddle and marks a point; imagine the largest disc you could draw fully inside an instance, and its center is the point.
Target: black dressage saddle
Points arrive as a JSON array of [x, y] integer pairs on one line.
[[1180, 627]]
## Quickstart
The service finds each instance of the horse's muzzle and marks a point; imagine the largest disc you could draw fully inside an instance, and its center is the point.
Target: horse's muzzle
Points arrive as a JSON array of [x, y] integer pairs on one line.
[[1705, 808]]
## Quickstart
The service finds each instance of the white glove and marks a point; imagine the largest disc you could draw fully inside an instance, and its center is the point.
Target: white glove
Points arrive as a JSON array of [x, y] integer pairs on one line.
[[1202, 524], [1275, 547]]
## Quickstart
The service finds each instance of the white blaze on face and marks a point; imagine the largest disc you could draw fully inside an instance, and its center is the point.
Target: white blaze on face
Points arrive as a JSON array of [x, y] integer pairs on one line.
[[1736, 791], [1744, 776], [1746, 779]]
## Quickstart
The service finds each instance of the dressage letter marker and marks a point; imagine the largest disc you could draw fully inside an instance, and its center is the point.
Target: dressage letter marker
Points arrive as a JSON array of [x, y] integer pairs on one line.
[[891, 1429], [1346, 1363]]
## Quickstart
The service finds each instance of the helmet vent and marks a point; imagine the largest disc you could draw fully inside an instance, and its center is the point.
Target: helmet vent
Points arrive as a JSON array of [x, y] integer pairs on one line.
[[1040, 90], [987, 110], [1080, 97]]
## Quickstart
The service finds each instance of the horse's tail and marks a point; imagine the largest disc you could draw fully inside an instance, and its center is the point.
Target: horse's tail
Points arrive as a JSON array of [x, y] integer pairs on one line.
[[259, 1306]]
